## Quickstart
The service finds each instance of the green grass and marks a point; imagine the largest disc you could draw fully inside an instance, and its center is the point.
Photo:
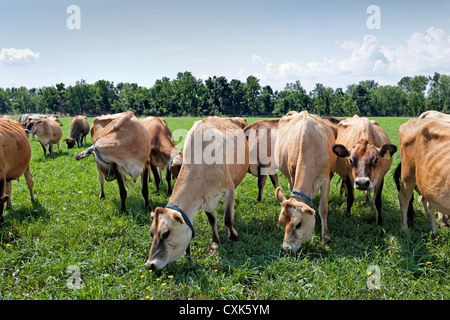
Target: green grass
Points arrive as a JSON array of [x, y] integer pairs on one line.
[[69, 226]]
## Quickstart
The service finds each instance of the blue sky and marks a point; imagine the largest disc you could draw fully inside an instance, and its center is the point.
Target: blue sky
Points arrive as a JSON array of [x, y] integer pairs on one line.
[[277, 41]]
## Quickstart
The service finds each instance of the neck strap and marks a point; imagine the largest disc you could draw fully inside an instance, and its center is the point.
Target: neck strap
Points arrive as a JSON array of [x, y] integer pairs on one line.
[[301, 195]]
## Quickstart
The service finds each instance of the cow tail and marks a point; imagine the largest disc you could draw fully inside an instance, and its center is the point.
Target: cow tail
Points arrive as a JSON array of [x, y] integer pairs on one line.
[[85, 153], [397, 175]]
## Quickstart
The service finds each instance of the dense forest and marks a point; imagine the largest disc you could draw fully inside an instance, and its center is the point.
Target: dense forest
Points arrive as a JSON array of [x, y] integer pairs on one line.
[[187, 96]]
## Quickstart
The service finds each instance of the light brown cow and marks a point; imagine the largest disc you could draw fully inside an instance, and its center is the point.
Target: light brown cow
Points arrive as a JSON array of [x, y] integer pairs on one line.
[[261, 136], [163, 153], [15, 154], [364, 157], [303, 154], [442, 218], [425, 154], [79, 129], [48, 132], [121, 145], [215, 162]]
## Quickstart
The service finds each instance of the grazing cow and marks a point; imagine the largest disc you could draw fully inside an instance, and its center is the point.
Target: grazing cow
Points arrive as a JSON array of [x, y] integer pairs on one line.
[[79, 129], [5, 117], [48, 132], [424, 148], [15, 154], [215, 162], [261, 137], [121, 145], [364, 157], [163, 152], [303, 154]]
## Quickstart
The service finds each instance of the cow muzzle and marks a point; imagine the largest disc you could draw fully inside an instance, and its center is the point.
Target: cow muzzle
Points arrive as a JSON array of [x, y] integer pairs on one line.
[[363, 184]]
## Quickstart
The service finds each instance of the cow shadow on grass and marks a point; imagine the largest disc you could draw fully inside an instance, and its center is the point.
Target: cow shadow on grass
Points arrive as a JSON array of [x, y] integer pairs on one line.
[[29, 213]]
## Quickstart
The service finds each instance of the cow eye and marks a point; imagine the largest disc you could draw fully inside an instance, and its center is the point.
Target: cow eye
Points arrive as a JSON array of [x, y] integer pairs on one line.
[[151, 234], [375, 160], [165, 235], [352, 162], [298, 225]]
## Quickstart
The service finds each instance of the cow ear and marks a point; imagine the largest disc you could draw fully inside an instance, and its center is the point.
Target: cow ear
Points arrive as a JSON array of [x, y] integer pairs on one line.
[[340, 151], [158, 211], [177, 216], [387, 150], [39, 122], [309, 210], [279, 194]]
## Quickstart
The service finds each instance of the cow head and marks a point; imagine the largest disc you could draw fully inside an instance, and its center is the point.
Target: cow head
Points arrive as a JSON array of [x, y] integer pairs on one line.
[[365, 161], [171, 237], [32, 126], [70, 143], [175, 166], [297, 219]]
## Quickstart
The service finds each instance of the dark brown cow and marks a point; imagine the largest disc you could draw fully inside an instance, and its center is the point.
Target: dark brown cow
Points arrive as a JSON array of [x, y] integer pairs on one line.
[[164, 154], [261, 136], [121, 145], [15, 154], [79, 129], [364, 157]]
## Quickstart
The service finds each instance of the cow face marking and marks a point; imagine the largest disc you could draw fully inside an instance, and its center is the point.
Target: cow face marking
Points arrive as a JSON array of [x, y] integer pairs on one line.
[[175, 166], [298, 221], [171, 237], [31, 126], [364, 159]]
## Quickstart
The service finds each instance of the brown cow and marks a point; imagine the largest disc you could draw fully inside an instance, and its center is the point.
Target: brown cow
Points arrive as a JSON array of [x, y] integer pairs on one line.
[[303, 154], [215, 162], [364, 157], [425, 154], [163, 153], [261, 136], [121, 146], [442, 218], [48, 132], [79, 129], [15, 154]]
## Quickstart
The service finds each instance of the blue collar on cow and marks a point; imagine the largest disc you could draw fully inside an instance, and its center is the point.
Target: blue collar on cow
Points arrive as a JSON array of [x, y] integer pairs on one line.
[[169, 163], [186, 219], [301, 195], [97, 154]]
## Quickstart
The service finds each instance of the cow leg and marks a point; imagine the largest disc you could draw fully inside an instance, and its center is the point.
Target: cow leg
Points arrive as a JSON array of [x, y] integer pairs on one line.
[[443, 219], [8, 193], [121, 184], [274, 179], [323, 211], [212, 219], [404, 197], [168, 180], [101, 180], [30, 183], [43, 147], [350, 195], [229, 213], [3, 197], [429, 211], [50, 148], [261, 183], [156, 176], [144, 188], [378, 202]]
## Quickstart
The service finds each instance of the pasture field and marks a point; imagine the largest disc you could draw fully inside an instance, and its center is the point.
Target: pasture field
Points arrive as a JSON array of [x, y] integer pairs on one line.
[[69, 234]]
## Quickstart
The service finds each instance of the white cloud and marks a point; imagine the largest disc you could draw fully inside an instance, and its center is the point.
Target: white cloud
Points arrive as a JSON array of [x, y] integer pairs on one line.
[[17, 57], [425, 52]]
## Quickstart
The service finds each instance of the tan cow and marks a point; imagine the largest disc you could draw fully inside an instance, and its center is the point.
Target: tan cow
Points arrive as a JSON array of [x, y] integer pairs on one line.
[[261, 136], [364, 157], [48, 132], [163, 153], [121, 145], [79, 129], [303, 154], [15, 154], [215, 162], [442, 218], [425, 154]]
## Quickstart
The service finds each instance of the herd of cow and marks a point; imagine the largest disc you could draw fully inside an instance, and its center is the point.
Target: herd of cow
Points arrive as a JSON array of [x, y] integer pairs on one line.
[[305, 148]]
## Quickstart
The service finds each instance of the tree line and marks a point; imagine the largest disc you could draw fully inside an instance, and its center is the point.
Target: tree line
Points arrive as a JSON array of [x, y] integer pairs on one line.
[[188, 96]]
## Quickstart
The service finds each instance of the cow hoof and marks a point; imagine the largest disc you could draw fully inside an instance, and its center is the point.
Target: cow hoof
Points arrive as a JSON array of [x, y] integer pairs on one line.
[[214, 247]]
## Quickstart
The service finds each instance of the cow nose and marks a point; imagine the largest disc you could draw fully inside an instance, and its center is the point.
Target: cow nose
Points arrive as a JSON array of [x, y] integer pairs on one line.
[[150, 266], [362, 183], [286, 249], [27, 131]]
